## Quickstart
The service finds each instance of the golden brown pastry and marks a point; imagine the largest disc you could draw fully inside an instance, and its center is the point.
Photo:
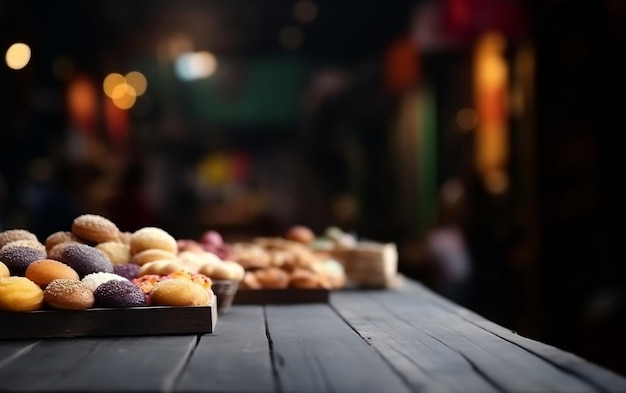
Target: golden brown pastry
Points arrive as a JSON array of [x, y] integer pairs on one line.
[[11, 235], [60, 237], [118, 253], [44, 271], [20, 294], [179, 292], [95, 229], [272, 278], [67, 294], [152, 254], [152, 237]]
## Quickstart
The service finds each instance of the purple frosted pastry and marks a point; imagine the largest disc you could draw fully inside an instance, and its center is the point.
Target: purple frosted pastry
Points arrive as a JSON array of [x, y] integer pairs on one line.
[[128, 270], [17, 258], [119, 294], [86, 259]]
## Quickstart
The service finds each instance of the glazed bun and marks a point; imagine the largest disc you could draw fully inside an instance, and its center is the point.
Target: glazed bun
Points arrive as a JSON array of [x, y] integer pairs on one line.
[[20, 294], [95, 229], [152, 237], [179, 292], [44, 271]]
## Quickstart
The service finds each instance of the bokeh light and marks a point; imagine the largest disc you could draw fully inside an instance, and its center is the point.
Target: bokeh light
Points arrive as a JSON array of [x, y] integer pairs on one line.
[[138, 81], [18, 56], [195, 65]]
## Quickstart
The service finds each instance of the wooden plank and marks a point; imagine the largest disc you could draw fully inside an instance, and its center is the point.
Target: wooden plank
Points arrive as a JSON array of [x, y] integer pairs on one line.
[[281, 296], [504, 365], [12, 349], [601, 378], [128, 364], [315, 351], [108, 322], [234, 359]]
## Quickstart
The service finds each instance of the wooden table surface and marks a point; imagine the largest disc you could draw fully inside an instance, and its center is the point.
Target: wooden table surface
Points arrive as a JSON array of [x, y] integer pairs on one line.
[[406, 339]]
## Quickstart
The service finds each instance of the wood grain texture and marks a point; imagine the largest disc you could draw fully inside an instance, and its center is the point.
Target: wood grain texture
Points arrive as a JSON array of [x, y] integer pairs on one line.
[[415, 312], [315, 351], [234, 359], [128, 364], [601, 378]]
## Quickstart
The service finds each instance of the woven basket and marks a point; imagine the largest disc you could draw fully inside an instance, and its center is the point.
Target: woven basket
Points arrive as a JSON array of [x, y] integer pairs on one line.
[[369, 264], [225, 290]]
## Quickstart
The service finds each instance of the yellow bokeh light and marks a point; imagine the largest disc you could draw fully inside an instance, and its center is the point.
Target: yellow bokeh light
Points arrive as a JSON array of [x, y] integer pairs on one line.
[[138, 81], [124, 96], [18, 56], [111, 82]]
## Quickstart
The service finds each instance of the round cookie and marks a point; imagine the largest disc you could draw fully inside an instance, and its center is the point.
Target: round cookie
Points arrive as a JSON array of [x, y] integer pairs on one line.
[[118, 253], [152, 254], [272, 278], [178, 292], [19, 294], [60, 237], [119, 294], [57, 250], [11, 235], [17, 258], [44, 271], [161, 267], [68, 294], [95, 228], [152, 237], [26, 243], [86, 259]]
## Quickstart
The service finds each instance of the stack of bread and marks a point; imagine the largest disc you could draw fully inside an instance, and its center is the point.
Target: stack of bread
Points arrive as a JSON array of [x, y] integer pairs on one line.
[[286, 262], [94, 264]]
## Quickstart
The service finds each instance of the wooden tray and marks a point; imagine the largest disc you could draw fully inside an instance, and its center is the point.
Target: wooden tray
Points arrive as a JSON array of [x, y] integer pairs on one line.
[[134, 321], [281, 296]]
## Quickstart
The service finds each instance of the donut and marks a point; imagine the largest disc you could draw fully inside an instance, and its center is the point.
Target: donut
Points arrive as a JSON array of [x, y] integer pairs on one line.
[[117, 252], [179, 292], [86, 259], [119, 294], [272, 278], [4, 270], [67, 294], [60, 237], [95, 228], [152, 254], [11, 235], [26, 243], [94, 280], [300, 234], [161, 267], [152, 237], [44, 271], [128, 270], [17, 258], [20, 294], [303, 278]]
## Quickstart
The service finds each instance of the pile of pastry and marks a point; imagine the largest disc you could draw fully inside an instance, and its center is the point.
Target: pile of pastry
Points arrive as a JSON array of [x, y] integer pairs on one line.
[[286, 262], [94, 264]]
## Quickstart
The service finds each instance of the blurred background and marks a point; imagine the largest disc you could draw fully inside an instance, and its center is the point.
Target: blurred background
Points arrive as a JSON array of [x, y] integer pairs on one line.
[[483, 137]]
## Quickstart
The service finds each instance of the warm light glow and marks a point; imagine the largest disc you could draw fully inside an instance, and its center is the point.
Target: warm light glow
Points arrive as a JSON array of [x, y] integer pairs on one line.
[[496, 182], [138, 81], [466, 119], [491, 94], [124, 96], [305, 11], [196, 65], [18, 56], [111, 82], [82, 103], [291, 37]]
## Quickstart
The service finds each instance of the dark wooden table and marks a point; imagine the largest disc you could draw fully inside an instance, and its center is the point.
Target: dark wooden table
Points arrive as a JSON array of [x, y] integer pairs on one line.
[[402, 340]]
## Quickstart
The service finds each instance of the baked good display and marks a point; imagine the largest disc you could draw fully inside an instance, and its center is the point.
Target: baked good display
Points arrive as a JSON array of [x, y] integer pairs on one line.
[[44, 271], [20, 294], [17, 258], [11, 235], [95, 228], [68, 294], [85, 259]]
